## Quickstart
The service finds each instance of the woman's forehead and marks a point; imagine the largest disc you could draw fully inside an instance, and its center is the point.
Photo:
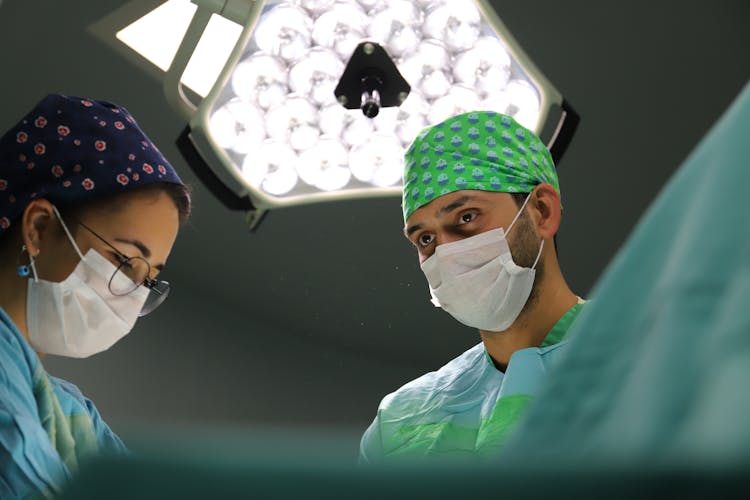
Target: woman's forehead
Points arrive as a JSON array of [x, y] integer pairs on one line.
[[152, 220]]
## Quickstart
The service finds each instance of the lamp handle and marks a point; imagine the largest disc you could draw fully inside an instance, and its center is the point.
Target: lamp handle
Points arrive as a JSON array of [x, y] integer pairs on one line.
[[173, 89], [564, 132]]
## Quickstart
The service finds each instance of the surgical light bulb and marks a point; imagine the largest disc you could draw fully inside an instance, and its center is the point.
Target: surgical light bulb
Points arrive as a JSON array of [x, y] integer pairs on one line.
[[348, 125], [523, 103], [340, 29], [317, 75], [294, 122], [270, 156], [378, 161], [262, 79], [237, 125], [331, 119], [275, 165], [459, 100], [406, 120], [457, 23], [397, 27], [325, 165], [496, 101], [369, 5], [284, 31], [315, 6], [425, 68], [486, 66]]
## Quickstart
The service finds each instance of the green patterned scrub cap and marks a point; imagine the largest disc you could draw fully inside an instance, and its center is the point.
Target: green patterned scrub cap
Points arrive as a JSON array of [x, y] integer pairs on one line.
[[480, 150]]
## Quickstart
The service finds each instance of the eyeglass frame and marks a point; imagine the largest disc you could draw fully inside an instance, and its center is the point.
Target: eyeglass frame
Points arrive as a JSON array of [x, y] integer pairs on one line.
[[150, 283]]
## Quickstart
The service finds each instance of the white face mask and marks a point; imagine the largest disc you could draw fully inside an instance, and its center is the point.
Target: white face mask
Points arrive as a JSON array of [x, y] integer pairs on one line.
[[477, 282], [79, 316]]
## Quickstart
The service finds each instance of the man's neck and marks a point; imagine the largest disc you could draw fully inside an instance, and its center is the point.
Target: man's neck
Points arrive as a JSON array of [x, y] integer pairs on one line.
[[553, 300]]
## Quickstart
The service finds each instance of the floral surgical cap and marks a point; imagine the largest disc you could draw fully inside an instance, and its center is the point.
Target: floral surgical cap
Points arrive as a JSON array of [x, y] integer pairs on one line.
[[73, 149]]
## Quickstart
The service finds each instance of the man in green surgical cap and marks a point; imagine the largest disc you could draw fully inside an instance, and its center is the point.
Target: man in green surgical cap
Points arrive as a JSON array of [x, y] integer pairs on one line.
[[481, 204]]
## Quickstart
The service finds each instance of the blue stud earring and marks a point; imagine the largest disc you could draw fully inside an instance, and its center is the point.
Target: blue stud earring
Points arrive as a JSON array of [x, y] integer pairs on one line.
[[24, 270]]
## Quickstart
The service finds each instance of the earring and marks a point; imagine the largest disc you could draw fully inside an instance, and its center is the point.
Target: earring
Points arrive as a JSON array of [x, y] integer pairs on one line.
[[24, 270]]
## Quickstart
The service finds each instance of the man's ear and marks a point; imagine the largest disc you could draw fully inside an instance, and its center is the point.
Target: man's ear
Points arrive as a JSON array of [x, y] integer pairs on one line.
[[38, 225], [546, 203]]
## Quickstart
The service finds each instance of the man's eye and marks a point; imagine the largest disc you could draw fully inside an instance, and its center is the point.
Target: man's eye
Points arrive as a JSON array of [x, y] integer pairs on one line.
[[468, 217], [425, 239]]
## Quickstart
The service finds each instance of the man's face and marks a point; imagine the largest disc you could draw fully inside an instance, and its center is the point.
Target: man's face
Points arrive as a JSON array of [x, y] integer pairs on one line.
[[463, 214]]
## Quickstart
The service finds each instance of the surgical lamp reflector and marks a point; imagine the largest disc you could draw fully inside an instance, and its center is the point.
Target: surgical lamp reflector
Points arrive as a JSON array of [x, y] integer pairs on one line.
[[272, 133]]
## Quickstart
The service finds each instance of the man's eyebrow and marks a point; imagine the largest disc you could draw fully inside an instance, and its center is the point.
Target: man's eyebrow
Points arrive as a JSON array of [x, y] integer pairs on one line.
[[443, 210], [145, 251], [456, 204], [411, 230]]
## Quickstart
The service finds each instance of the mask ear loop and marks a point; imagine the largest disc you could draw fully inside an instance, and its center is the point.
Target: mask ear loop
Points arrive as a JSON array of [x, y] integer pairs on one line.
[[518, 214], [70, 237], [538, 256], [541, 247]]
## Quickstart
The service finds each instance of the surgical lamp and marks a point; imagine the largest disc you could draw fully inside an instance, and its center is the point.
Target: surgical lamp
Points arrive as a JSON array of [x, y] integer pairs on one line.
[[319, 98]]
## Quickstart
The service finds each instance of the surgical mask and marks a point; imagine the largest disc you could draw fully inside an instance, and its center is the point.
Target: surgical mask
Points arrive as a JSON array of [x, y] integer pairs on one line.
[[477, 281], [79, 316]]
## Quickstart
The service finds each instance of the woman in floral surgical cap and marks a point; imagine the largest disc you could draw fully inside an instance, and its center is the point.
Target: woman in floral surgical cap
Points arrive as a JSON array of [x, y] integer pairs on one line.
[[89, 211]]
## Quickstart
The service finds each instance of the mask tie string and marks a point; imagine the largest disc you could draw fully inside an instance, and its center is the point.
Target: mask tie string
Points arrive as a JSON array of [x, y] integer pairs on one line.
[[70, 237]]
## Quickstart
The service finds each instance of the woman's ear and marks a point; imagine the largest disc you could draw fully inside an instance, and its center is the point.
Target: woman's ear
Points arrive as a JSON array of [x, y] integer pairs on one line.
[[546, 202], [38, 225]]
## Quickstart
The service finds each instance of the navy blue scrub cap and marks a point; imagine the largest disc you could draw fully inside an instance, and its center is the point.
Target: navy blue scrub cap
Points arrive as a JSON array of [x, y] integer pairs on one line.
[[70, 150]]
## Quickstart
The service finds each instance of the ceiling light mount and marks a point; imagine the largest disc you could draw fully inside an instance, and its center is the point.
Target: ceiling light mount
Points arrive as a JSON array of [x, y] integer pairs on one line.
[[371, 81]]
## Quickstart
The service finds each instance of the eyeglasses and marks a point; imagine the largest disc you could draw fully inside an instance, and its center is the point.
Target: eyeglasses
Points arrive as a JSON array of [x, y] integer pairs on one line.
[[131, 273]]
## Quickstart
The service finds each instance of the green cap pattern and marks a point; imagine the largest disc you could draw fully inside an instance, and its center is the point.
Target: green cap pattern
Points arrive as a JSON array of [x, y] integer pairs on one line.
[[481, 150]]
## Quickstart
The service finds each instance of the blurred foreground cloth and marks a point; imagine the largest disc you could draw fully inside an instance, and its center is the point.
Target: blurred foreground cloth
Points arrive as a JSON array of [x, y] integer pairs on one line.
[[658, 365], [652, 399]]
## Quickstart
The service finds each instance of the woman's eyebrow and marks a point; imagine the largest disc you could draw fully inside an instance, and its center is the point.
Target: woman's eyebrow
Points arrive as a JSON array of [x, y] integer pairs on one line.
[[145, 251]]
